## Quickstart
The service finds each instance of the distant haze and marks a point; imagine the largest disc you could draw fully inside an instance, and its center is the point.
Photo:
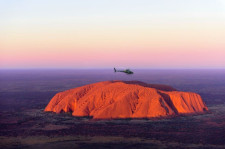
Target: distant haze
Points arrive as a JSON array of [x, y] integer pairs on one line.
[[108, 33]]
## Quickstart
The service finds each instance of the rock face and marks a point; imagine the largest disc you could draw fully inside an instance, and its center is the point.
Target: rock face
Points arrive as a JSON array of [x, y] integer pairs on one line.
[[126, 99]]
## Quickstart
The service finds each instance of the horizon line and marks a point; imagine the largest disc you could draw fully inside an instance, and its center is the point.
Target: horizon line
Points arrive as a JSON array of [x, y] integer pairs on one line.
[[86, 68]]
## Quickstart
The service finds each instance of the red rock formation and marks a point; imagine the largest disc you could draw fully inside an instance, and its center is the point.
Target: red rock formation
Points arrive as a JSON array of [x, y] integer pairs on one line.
[[125, 99]]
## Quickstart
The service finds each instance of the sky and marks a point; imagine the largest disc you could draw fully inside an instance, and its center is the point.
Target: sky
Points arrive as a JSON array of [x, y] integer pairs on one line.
[[112, 33]]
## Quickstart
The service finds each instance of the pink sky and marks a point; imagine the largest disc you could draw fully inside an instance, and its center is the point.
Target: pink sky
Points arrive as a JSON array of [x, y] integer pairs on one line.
[[144, 35]]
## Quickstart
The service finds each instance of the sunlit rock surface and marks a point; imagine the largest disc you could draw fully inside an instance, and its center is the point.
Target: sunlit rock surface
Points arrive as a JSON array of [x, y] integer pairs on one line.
[[126, 99]]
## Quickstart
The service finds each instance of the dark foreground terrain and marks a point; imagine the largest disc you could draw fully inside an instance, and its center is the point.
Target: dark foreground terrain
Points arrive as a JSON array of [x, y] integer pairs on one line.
[[25, 93]]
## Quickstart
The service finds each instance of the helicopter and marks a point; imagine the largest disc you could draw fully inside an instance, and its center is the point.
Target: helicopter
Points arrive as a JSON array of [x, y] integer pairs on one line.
[[127, 71]]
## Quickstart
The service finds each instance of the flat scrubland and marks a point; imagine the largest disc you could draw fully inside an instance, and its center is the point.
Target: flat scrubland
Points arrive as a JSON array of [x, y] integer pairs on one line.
[[24, 124]]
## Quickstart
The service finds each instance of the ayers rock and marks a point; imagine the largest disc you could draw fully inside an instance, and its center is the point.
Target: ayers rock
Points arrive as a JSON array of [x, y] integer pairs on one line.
[[126, 99]]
